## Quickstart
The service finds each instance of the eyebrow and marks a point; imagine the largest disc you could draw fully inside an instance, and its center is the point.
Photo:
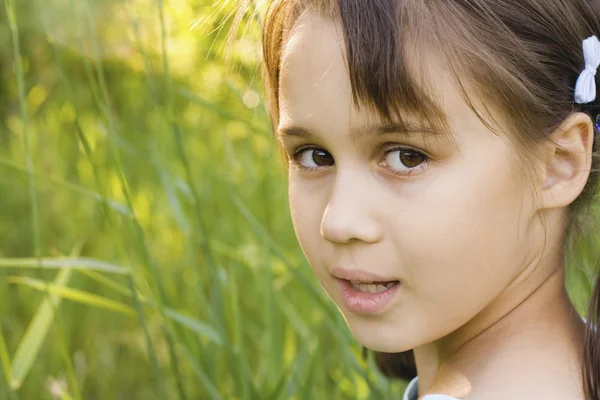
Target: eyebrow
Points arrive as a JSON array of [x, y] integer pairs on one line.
[[374, 130]]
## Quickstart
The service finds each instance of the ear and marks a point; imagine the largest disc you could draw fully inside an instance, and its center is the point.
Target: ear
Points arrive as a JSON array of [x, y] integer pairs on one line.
[[567, 161]]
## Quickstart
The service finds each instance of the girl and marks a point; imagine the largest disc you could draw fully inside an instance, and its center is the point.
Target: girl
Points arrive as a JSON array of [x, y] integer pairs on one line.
[[440, 154]]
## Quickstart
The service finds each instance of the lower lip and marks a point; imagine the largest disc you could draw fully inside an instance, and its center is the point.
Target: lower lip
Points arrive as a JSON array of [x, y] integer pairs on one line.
[[366, 303]]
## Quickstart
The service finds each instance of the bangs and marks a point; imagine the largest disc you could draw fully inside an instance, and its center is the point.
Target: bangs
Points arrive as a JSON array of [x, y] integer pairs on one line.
[[385, 58], [385, 55], [388, 45]]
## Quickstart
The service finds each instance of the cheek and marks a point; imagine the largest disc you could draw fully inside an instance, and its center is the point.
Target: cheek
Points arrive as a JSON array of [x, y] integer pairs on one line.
[[301, 208], [462, 243], [307, 205]]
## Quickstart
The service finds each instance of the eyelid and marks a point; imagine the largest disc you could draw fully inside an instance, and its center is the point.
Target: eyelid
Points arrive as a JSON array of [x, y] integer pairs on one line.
[[299, 150], [296, 154], [396, 147], [387, 148], [294, 158], [381, 150]]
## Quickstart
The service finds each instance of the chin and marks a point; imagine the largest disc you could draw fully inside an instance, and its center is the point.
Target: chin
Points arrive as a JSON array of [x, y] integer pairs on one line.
[[379, 336]]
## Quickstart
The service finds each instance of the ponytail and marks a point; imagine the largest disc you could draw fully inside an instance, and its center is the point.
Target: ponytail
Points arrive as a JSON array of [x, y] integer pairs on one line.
[[591, 346]]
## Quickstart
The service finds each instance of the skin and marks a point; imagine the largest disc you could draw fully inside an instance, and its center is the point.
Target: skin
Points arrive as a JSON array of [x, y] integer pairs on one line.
[[482, 302]]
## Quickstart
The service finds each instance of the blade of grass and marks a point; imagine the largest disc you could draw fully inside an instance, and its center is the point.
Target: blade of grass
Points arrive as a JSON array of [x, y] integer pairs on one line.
[[190, 191], [207, 384], [306, 390], [80, 132], [293, 317], [71, 375], [167, 180], [109, 283], [169, 190], [75, 295], [10, 12], [175, 366], [116, 157], [6, 368], [82, 297], [48, 312], [217, 298], [274, 324], [114, 205], [190, 323], [149, 346], [276, 250], [115, 142], [81, 263], [36, 332], [243, 379], [197, 326]]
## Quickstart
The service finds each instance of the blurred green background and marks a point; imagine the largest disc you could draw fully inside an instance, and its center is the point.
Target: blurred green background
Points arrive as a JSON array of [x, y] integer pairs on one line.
[[146, 248]]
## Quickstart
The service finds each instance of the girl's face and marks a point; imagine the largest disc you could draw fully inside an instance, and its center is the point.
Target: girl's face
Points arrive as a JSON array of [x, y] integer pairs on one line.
[[449, 227]]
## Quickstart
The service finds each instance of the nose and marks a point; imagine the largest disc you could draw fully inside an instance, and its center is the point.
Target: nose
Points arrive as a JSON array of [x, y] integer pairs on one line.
[[351, 212]]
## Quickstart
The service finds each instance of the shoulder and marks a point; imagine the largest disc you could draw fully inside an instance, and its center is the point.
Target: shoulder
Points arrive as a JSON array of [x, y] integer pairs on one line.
[[504, 390], [412, 393]]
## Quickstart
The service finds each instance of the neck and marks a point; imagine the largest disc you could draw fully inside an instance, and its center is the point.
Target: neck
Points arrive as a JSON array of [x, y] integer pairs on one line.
[[530, 328]]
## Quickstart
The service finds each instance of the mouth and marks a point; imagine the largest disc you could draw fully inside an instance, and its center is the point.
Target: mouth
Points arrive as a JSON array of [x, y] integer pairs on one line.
[[365, 281], [368, 297], [372, 287]]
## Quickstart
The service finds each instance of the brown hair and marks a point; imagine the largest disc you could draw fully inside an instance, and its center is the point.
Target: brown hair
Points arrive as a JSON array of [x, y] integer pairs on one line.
[[523, 55]]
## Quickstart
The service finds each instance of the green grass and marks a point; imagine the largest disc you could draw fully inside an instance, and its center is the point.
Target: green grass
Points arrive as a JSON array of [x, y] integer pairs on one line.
[[147, 249]]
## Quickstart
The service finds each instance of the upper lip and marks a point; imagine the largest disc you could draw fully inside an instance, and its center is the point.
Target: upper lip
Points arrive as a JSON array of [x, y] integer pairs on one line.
[[359, 276]]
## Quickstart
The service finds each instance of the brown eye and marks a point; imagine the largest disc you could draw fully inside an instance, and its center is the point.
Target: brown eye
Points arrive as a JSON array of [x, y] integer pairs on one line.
[[314, 158], [411, 159], [404, 161], [322, 158]]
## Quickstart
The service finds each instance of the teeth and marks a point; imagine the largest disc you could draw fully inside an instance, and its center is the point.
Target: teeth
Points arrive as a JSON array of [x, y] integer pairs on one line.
[[370, 287]]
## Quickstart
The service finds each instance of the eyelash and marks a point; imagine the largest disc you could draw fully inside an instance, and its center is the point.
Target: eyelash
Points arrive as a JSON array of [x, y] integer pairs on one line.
[[298, 153]]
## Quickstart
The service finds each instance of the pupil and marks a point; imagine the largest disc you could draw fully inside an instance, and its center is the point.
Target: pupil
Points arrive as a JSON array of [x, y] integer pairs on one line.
[[321, 157], [411, 159]]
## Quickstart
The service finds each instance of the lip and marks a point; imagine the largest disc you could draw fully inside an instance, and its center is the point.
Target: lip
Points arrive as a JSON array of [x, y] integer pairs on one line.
[[366, 303], [357, 275], [360, 302]]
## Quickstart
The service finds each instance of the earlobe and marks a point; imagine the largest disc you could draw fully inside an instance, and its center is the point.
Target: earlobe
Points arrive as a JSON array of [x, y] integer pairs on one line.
[[568, 161]]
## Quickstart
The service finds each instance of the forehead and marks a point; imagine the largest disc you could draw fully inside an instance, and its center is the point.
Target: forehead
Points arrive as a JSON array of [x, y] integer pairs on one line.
[[315, 87], [312, 68], [315, 36]]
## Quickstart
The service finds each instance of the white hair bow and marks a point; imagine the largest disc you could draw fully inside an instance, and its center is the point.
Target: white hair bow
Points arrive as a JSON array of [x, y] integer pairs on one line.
[[585, 88]]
